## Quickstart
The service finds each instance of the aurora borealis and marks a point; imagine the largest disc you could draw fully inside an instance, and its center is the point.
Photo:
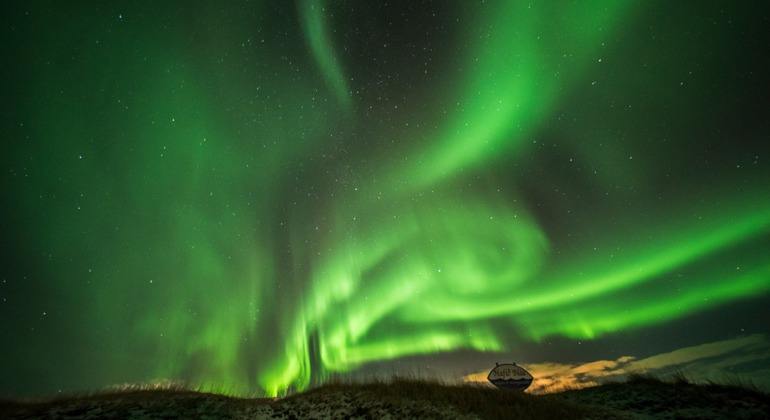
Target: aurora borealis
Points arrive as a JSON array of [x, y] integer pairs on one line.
[[257, 196]]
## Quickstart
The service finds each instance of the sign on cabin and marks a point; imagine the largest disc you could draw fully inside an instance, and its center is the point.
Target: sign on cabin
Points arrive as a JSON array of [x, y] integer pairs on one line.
[[510, 376]]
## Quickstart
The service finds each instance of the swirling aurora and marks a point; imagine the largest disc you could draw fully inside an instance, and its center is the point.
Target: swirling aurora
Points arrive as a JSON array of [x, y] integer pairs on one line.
[[261, 196]]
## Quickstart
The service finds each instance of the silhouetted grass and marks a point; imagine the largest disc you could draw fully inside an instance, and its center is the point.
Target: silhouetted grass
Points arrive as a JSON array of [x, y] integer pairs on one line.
[[466, 399], [679, 377], [401, 397], [737, 382], [414, 397]]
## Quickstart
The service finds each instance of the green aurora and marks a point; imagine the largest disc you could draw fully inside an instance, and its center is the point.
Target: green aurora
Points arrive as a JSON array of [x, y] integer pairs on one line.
[[264, 196]]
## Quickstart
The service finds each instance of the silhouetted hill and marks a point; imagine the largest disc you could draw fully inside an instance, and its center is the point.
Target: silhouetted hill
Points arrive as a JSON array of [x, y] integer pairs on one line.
[[637, 398]]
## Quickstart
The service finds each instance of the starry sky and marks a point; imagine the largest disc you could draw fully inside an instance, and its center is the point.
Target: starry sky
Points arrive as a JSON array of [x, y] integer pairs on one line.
[[256, 196]]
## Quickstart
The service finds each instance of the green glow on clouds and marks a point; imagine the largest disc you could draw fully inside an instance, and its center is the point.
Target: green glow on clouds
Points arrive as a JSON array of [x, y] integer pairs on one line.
[[258, 250]]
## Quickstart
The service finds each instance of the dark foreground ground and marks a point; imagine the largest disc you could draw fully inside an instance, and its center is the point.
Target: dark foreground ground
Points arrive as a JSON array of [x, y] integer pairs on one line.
[[635, 399]]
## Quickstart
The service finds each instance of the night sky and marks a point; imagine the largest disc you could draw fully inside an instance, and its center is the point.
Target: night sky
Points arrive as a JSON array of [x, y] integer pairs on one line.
[[254, 196]]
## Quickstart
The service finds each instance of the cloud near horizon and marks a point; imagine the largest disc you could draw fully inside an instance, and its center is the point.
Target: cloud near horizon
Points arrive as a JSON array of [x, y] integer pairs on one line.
[[716, 361]]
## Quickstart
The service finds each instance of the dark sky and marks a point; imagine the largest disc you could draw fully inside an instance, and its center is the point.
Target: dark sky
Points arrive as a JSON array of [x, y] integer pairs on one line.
[[259, 195]]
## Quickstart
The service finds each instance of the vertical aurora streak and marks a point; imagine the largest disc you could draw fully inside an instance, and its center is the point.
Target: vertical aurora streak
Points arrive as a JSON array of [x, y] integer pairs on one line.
[[261, 207], [317, 34]]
